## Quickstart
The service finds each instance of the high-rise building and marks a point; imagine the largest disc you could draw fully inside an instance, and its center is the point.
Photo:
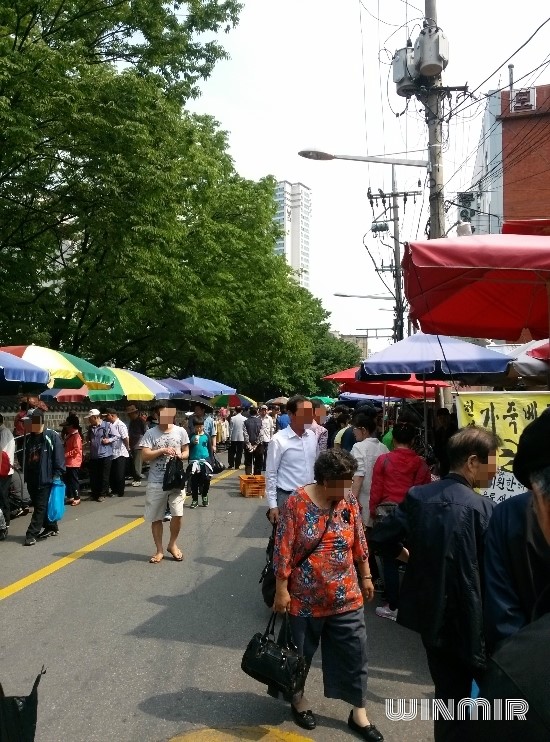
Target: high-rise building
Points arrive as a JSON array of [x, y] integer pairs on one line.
[[293, 217]]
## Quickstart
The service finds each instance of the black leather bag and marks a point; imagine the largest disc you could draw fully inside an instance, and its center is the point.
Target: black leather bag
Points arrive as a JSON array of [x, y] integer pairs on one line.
[[18, 715], [275, 663], [217, 466], [174, 475]]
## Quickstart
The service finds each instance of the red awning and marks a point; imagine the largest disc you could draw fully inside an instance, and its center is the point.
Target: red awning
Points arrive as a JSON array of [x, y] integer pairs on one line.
[[349, 374], [482, 286], [527, 226], [401, 389]]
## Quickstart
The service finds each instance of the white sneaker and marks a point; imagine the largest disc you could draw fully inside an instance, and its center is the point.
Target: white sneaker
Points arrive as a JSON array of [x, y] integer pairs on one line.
[[167, 518], [136, 484], [385, 612]]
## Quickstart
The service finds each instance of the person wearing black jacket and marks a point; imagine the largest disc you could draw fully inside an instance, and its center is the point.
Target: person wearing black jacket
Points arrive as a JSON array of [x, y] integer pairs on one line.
[[443, 525], [44, 462]]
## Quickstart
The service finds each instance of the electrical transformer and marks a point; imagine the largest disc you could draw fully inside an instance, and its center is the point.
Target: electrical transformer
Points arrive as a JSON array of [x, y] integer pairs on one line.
[[431, 52], [404, 73]]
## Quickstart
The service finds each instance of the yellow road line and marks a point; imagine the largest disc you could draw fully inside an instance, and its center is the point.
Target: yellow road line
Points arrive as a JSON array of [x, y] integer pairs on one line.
[[263, 733], [15, 587]]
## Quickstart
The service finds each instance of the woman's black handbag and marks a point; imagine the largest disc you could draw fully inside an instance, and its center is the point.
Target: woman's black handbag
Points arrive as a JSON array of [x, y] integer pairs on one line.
[[275, 663], [174, 475], [217, 466]]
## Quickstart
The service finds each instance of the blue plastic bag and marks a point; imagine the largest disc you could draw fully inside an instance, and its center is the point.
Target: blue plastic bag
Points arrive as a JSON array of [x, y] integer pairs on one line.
[[56, 503]]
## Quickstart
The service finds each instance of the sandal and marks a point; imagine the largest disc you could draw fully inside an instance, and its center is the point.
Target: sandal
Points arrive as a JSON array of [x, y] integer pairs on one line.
[[176, 558], [75, 502], [156, 559]]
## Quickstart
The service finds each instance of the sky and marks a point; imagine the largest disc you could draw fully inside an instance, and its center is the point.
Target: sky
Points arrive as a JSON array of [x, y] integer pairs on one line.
[[313, 74]]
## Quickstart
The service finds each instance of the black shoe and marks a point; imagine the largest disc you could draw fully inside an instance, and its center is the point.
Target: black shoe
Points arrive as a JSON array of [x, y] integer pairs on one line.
[[370, 732], [3, 533], [30, 541], [205, 501], [194, 504], [48, 532], [304, 719]]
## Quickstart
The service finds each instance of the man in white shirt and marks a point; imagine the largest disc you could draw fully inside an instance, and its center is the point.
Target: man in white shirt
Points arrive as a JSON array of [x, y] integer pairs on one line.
[[120, 448], [236, 435], [290, 456]]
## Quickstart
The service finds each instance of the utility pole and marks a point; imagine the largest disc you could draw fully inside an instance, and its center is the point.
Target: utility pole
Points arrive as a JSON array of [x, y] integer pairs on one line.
[[395, 266], [433, 111], [399, 308]]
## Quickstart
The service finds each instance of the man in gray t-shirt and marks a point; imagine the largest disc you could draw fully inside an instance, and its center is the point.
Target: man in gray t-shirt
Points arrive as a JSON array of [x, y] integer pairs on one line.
[[158, 445]]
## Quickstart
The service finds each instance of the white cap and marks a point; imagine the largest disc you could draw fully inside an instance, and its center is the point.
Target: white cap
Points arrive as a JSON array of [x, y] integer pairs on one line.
[[93, 413]]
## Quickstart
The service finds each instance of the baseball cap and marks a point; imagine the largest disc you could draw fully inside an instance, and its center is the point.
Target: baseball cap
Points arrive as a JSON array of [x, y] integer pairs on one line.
[[93, 413], [264, 407], [34, 413]]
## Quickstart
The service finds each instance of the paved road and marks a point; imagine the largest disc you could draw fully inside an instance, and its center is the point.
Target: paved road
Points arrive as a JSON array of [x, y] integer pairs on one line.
[[145, 653]]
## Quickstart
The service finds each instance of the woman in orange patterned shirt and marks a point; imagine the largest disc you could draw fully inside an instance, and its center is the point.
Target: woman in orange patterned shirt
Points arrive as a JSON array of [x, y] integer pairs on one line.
[[325, 595]]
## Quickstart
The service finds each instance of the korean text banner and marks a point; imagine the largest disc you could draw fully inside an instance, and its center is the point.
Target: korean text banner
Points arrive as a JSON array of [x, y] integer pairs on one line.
[[506, 414]]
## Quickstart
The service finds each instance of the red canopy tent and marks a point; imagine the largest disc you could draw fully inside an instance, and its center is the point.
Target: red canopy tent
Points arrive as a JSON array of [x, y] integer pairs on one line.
[[493, 285], [413, 389]]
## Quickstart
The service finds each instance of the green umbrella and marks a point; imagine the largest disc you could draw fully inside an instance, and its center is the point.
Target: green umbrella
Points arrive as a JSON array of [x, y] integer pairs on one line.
[[324, 400]]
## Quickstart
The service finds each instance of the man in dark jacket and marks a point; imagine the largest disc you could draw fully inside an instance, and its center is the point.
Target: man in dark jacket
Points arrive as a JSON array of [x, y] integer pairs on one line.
[[443, 525], [253, 448], [44, 463], [517, 559]]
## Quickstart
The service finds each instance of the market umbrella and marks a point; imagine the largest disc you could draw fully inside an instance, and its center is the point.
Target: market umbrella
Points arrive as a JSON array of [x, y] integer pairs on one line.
[[399, 389], [66, 371], [277, 400], [492, 285], [216, 387], [233, 400], [528, 365], [348, 374], [178, 385], [18, 375], [324, 400], [432, 357], [133, 386], [67, 396]]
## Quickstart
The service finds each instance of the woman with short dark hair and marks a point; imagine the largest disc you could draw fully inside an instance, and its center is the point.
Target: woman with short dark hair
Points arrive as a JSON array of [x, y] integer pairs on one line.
[[326, 594]]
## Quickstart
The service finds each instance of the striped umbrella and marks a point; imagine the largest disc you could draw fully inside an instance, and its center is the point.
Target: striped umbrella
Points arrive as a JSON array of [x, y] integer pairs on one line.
[[17, 375], [133, 386], [66, 371], [233, 400]]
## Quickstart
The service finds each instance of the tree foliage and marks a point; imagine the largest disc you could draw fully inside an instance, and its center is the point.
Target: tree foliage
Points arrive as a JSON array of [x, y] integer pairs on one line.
[[126, 234]]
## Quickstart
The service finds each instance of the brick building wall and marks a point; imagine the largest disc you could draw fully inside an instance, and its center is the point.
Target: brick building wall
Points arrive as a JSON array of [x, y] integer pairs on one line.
[[526, 155]]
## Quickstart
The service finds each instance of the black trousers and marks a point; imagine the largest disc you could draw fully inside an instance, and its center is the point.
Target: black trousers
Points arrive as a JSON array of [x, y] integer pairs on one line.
[[254, 458], [72, 484], [100, 470], [117, 476], [5, 484], [39, 498], [452, 679], [199, 484], [235, 454]]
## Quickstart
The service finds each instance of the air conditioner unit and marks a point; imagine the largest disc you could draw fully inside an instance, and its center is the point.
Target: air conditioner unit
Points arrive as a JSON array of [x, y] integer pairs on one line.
[[523, 100]]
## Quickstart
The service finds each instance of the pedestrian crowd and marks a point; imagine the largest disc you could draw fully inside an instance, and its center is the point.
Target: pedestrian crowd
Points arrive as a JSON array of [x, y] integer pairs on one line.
[[356, 509]]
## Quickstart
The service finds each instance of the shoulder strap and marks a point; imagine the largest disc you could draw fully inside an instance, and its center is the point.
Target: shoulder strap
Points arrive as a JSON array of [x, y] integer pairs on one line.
[[314, 547]]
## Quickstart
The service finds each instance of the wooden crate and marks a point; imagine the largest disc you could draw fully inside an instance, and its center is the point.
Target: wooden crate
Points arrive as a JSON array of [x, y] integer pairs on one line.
[[252, 486]]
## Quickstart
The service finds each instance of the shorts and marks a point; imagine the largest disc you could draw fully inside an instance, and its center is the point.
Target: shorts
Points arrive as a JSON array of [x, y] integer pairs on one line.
[[156, 500]]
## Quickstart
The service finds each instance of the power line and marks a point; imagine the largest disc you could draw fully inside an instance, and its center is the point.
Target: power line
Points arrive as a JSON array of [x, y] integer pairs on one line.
[[513, 54]]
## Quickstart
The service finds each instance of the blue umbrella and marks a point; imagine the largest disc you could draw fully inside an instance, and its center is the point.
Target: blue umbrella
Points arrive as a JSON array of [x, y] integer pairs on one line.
[[432, 357], [182, 387], [376, 399], [18, 375], [216, 387]]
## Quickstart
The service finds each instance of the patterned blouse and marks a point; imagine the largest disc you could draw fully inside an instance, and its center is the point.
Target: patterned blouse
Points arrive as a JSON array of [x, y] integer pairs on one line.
[[326, 583]]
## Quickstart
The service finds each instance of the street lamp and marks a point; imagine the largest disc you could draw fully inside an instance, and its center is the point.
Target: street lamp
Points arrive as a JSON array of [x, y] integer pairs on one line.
[[362, 296], [314, 154]]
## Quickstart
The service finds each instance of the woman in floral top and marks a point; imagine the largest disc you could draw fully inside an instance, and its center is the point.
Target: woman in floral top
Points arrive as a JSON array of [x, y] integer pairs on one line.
[[325, 595]]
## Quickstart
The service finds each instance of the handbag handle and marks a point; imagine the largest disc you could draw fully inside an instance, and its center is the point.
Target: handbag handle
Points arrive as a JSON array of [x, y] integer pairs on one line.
[[285, 634]]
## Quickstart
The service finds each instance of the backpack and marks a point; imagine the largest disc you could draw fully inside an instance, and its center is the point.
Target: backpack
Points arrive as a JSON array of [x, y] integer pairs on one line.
[[5, 464]]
